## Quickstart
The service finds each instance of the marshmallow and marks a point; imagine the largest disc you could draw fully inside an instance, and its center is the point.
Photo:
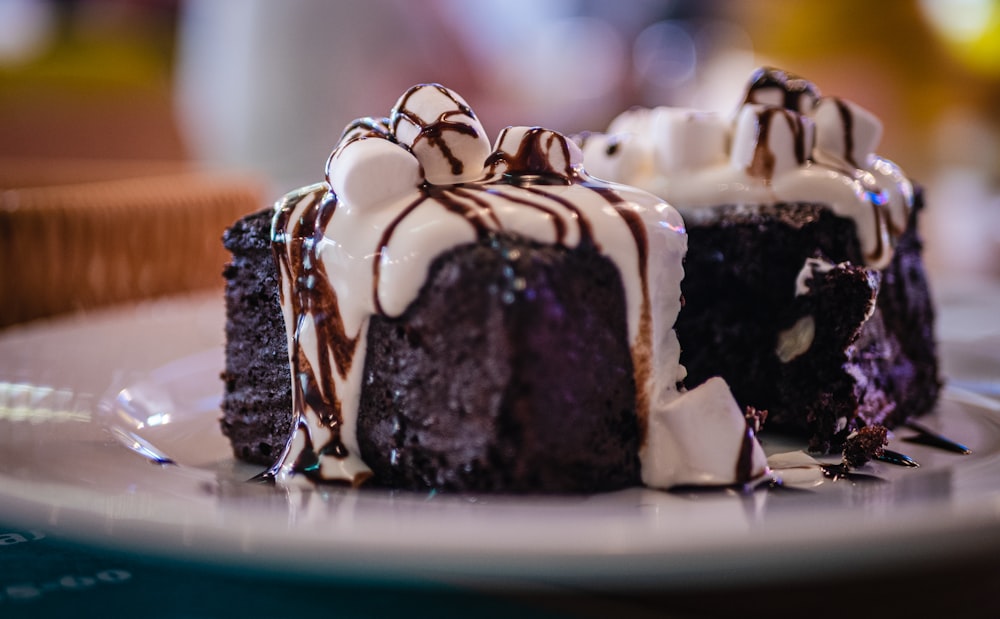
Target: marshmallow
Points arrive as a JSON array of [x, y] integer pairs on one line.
[[698, 439], [846, 131], [443, 133], [686, 139], [796, 340], [368, 172], [532, 150], [770, 86], [768, 141], [620, 156], [810, 268], [365, 127], [635, 120]]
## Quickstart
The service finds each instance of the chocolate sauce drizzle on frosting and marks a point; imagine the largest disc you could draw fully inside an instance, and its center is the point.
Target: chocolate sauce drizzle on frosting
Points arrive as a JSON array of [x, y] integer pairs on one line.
[[847, 118], [762, 164], [797, 93], [801, 97], [310, 294], [889, 225], [532, 183], [435, 132]]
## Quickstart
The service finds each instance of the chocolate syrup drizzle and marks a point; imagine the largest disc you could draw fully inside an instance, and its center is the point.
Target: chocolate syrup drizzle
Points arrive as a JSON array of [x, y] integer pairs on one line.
[[797, 91], [836, 472], [312, 296], [847, 118], [435, 132], [762, 164]]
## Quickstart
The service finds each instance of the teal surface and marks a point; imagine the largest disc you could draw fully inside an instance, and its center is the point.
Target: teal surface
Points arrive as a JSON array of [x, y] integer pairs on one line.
[[44, 577]]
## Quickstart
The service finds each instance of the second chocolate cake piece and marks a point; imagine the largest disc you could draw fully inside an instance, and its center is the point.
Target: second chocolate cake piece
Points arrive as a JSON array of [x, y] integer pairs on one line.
[[804, 282], [821, 346]]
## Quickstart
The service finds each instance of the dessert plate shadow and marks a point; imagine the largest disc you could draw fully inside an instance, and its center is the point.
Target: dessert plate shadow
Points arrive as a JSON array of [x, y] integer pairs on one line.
[[138, 464]]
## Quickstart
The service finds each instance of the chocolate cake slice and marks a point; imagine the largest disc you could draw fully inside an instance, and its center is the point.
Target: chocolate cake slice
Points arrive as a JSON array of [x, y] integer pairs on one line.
[[511, 370], [466, 317]]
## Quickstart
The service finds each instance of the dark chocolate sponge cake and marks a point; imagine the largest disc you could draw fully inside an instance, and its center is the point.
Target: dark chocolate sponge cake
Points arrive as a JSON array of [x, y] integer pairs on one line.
[[257, 396], [479, 386]]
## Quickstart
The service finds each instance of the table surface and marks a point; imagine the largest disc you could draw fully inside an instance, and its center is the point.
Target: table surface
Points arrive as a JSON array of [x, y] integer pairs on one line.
[[45, 577]]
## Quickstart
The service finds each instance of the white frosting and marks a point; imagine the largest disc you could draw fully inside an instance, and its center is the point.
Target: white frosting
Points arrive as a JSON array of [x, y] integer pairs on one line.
[[816, 150], [698, 439], [403, 190]]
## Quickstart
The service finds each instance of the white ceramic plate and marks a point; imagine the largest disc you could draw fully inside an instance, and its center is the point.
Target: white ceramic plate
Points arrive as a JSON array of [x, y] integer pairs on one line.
[[150, 373]]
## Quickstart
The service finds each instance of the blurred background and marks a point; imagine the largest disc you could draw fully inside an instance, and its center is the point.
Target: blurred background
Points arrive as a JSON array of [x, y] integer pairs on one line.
[[92, 90]]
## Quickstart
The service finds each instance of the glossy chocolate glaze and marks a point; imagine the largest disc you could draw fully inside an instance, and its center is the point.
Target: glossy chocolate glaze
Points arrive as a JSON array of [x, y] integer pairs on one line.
[[899, 459], [837, 472]]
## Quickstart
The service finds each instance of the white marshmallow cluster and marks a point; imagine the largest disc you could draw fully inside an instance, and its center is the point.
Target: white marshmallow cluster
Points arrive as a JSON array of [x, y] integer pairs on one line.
[[817, 150]]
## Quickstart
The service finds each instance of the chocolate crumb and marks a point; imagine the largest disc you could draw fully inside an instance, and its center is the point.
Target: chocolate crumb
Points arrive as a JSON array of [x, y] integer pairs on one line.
[[865, 444]]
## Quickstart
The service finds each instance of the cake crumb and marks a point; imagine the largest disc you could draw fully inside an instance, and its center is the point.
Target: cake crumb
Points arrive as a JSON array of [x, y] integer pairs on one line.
[[864, 445], [755, 418]]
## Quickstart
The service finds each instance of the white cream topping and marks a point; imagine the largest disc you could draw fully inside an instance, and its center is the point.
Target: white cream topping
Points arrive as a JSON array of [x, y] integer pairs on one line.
[[701, 439], [816, 150], [403, 190]]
